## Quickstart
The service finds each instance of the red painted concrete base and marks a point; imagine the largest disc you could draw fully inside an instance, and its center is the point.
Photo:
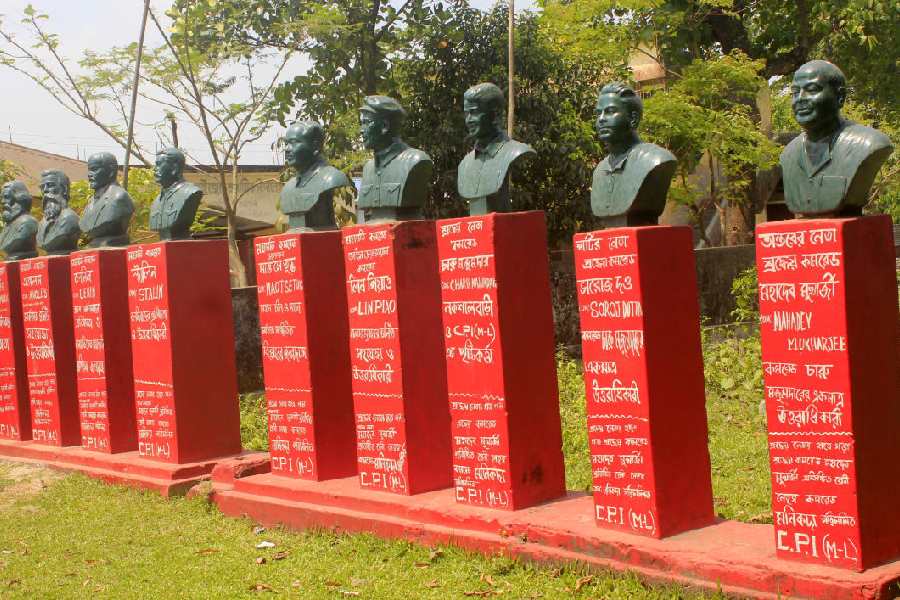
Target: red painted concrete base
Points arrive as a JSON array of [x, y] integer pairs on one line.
[[736, 558], [126, 468]]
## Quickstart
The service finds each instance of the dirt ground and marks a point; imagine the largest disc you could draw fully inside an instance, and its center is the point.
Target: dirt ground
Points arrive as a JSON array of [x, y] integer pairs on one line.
[[23, 480]]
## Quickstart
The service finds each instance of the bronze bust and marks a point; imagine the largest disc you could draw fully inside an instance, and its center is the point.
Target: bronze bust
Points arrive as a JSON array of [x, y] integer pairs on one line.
[[306, 199], [106, 217], [828, 169], [630, 185], [395, 181], [58, 231], [17, 240], [483, 174], [174, 209]]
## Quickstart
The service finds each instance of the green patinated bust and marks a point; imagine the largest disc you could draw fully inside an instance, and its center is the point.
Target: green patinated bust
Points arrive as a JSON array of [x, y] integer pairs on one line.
[[483, 174], [17, 240], [630, 185], [172, 212], [106, 217], [395, 181], [58, 231], [306, 199], [828, 169]]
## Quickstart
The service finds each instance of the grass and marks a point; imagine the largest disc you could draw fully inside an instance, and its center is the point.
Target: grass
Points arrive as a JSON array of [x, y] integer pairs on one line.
[[737, 432], [80, 538]]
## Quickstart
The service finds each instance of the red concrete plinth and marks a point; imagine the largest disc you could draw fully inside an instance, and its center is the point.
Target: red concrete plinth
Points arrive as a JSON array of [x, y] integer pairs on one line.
[[182, 339], [643, 375], [15, 412], [397, 357], [306, 354], [501, 370], [50, 350], [828, 317], [731, 557], [103, 350]]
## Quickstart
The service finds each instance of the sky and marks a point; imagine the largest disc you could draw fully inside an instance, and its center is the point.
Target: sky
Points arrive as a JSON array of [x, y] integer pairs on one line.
[[31, 117]]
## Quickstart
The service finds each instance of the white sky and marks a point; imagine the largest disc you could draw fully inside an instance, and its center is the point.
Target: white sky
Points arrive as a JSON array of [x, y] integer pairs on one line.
[[30, 117]]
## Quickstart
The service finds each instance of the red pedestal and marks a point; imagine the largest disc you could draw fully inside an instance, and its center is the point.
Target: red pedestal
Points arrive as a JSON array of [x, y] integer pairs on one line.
[[643, 374], [501, 371], [15, 413], [828, 317], [103, 351], [306, 356], [182, 339], [50, 350], [397, 357]]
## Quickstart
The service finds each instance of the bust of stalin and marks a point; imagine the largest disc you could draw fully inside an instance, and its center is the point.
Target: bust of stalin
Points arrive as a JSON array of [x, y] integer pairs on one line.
[[106, 217], [395, 181], [306, 198], [483, 174], [172, 212], [630, 185], [17, 240], [828, 169], [58, 232]]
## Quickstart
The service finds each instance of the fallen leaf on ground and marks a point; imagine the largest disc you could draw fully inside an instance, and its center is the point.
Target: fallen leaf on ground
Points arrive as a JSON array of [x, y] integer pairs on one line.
[[583, 581], [264, 545], [261, 587], [488, 580], [348, 593], [258, 530], [482, 594], [260, 560], [422, 565], [356, 582], [332, 584], [433, 584], [296, 583], [435, 554], [13, 582], [280, 555], [207, 551], [554, 573]]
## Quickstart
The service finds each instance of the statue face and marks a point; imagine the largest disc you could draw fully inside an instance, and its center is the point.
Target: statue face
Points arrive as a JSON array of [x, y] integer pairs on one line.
[[100, 174], [166, 171], [52, 207], [299, 147], [51, 186], [614, 120], [813, 99], [11, 208], [376, 131], [480, 121]]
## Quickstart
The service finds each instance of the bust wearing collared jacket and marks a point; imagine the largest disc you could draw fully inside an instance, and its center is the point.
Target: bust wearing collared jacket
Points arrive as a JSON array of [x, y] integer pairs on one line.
[[483, 175], [631, 183], [395, 181], [58, 232], [172, 212], [17, 239], [828, 169], [108, 213], [307, 198]]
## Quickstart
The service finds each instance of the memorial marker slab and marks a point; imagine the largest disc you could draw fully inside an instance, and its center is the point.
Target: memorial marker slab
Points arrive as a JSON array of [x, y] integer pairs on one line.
[[643, 374], [103, 350], [182, 338], [15, 413], [397, 357], [501, 369], [828, 318], [306, 356], [50, 350]]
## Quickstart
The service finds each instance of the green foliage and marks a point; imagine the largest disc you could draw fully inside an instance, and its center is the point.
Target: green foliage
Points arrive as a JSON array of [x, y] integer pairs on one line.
[[254, 422], [8, 171], [573, 415], [745, 291]]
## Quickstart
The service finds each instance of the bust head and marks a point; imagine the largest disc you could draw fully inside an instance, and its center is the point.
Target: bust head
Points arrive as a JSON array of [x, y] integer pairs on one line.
[[818, 92], [55, 192], [483, 105], [16, 200], [102, 170], [619, 111], [380, 118], [303, 144], [169, 167]]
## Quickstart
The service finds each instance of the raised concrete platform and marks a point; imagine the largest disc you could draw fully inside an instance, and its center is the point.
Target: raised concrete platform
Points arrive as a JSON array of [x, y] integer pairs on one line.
[[126, 468], [737, 558]]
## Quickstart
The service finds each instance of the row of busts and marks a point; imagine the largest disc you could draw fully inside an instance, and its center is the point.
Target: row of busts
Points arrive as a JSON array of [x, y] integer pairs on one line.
[[105, 220]]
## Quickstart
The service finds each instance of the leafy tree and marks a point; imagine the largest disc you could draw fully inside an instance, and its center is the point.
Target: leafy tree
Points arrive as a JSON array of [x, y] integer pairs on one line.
[[8, 171]]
